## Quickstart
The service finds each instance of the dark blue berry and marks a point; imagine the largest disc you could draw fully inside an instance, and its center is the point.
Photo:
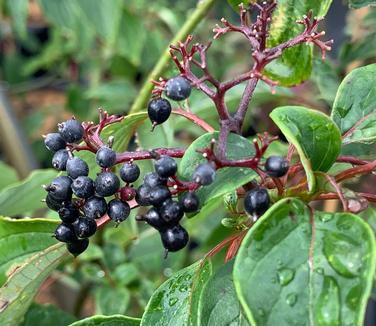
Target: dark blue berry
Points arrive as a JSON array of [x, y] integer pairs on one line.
[[204, 174], [78, 246], [95, 207], [65, 233], [171, 211], [106, 184], [83, 187], [59, 160], [54, 142], [178, 88], [159, 110], [153, 218], [105, 157], [143, 195], [256, 201], [52, 203], [77, 167], [152, 179], [85, 227], [118, 210], [69, 213], [174, 238], [129, 172], [166, 166], [190, 202], [71, 131], [158, 195], [276, 166], [60, 188]]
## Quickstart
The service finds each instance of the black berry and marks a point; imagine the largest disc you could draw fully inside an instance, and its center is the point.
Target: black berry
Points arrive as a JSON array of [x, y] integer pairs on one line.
[[68, 213], [118, 210], [256, 201], [129, 172], [105, 157], [190, 202], [153, 218], [65, 233], [174, 238], [158, 195], [204, 174], [178, 88], [54, 142], [159, 110], [85, 227], [166, 166], [78, 246], [106, 184], [71, 131], [59, 160], [52, 203], [152, 179], [95, 207], [60, 188], [142, 195], [171, 211], [77, 167], [83, 187], [276, 166]]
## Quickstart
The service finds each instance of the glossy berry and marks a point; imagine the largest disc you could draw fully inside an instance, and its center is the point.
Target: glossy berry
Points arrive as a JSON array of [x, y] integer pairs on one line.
[[85, 227], [127, 193], [78, 246], [152, 179], [276, 166], [77, 167], [174, 238], [95, 207], [159, 110], [106, 184], [59, 160], [69, 213], [71, 131], [171, 211], [178, 88], [129, 172], [52, 203], [189, 202], [65, 233], [60, 188], [83, 187], [118, 210], [105, 157], [256, 201], [204, 174], [166, 166], [153, 218], [54, 142], [142, 195], [158, 195]]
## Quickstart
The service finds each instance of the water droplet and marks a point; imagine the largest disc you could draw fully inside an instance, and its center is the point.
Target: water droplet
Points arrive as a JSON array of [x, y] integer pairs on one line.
[[183, 288], [285, 276], [279, 263], [258, 246], [354, 296], [188, 277], [319, 270], [274, 280], [261, 312], [173, 301], [328, 307], [344, 224], [291, 299], [325, 217]]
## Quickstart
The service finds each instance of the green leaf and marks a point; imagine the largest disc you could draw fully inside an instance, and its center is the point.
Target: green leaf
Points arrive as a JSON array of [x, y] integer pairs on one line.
[[162, 136], [235, 3], [227, 179], [46, 315], [175, 301], [115, 320], [356, 4], [8, 175], [18, 10], [354, 109], [219, 305], [111, 301], [24, 281], [295, 64], [25, 196], [314, 135], [297, 266], [61, 13]]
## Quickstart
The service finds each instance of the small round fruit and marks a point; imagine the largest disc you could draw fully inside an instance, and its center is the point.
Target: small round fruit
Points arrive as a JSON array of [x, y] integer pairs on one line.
[[142, 195], [118, 210], [190, 202], [158, 195], [256, 201], [174, 238], [178, 88], [127, 193], [71, 131], [166, 166], [106, 184], [204, 174], [129, 172], [159, 110], [152, 179], [95, 207], [60, 159], [69, 213], [171, 211], [60, 188], [276, 166], [105, 157], [52, 203], [83, 187], [85, 227], [65, 233], [54, 142], [77, 167], [78, 246], [153, 218]]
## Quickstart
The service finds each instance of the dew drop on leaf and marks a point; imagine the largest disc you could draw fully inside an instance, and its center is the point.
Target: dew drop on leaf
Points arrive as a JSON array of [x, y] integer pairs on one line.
[[173, 301], [325, 217], [291, 299], [328, 306], [285, 276], [261, 312]]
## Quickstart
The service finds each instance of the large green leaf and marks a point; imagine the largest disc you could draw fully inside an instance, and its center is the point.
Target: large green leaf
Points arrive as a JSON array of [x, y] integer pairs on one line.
[[24, 281], [115, 320], [18, 10], [227, 179], [25, 196], [111, 300], [296, 266], [361, 3], [175, 302], [295, 64], [219, 305], [314, 135], [61, 13], [8, 175], [46, 315], [355, 106]]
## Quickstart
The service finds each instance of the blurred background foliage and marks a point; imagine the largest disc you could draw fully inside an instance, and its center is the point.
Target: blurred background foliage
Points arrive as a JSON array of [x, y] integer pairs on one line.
[[63, 58]]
